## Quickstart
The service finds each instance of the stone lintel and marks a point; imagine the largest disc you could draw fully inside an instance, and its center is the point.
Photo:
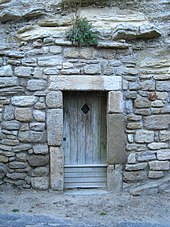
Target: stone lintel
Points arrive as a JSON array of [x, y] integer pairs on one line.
[[116, 139], [56, 168], [114, 178], [115, 102], [54, 126], [85, 83]]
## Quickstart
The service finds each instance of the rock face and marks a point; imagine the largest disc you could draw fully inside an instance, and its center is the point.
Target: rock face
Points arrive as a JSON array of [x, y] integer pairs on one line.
[[130, 64]]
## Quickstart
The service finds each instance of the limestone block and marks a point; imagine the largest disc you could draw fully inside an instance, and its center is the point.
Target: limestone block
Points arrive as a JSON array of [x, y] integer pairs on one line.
[[56, 168], [133, 117], [143, 136], [71, 53], [155, 174], [163, 154], [86, 83], [115, 102], [36, 85], [37, 126], [10, 142], [86, 53], [21, 71], [41, 183], [40, 172], [54, 99], [159, 165], [21, 157], [138, 166], [136, 147], [23, 114], [73, 71], [54, 126], [134, 176], [24, 100], [116, 139], [146, 156], [39, 115], [114, 178], [55, 49], [163, 85], [6, 71], [134, 125], [157, 146], [40, 149], [38, 160], [50, 61], [157, 121]]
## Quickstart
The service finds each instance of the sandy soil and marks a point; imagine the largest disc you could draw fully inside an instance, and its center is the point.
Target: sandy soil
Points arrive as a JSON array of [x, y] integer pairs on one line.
[[98, 206]]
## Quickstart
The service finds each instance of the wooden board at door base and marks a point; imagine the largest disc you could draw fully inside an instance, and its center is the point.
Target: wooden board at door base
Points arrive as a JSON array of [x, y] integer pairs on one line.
[[84, 140]]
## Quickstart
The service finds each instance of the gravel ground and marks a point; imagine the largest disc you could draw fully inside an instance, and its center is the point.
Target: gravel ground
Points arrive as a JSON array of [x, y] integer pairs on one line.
[[91, 208]]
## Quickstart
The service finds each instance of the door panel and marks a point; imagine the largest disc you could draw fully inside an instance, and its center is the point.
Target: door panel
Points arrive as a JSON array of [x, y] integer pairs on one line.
[[84, 136]]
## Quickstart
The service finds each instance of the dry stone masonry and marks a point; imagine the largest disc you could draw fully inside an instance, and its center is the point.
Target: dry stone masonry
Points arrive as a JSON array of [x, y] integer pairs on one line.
[[130, 63]]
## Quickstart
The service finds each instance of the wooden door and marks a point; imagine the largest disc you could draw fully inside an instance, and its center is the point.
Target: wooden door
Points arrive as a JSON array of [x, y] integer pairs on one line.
[[84, 139]]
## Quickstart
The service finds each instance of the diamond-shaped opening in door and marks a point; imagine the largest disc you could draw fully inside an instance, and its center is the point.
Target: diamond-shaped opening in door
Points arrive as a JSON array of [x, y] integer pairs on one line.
[[85, 108]]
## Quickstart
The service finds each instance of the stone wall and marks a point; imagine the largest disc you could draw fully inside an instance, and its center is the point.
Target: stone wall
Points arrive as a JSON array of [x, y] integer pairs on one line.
[[132, 58]]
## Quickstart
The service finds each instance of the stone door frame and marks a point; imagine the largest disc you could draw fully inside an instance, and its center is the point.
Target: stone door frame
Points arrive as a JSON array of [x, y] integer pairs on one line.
[[116, 138]]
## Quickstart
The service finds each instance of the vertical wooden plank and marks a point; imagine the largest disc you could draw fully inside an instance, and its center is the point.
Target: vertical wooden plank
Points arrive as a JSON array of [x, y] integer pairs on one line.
[[103, 131], [88, 128], [73, 128], [81, 130], [66, 130]]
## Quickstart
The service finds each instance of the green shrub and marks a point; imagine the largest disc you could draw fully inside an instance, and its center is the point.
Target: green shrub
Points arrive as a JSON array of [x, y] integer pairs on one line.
[[81, 33]]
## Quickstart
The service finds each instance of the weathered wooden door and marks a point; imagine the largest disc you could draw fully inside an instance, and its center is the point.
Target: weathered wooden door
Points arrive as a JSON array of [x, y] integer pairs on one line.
[[84, 140]]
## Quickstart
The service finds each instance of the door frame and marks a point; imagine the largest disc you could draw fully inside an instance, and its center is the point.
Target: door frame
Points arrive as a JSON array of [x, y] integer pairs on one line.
[[116, 138]]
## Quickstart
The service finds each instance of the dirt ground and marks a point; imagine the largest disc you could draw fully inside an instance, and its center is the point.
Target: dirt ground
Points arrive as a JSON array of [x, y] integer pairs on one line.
[[86, 205]]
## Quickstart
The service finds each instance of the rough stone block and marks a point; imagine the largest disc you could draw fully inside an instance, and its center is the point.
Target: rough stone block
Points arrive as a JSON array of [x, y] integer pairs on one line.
[[23, 114], [50, 61], [37, 126], [24, 100], [16, 176], [163, 154], [116, 139], [146, 189], [141, 102], [157, 122], [17, 165], [131, 158], [54, 99], [25, 72], [92, 69], [6, 71], [146, 156], [157, 146], [40, 149], [164, 135], [85, 83], [3, 159], [56, 168], [115, 102], [155, 174], [32, 137], [39, 115], [38, 160], [40, 172], [9, 82], [114, 178], [138, 166], [163, 85], [36, 85], [143, 136], [159, 165], [8, 113], [54, 126], [41, 183], [134, 176]]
